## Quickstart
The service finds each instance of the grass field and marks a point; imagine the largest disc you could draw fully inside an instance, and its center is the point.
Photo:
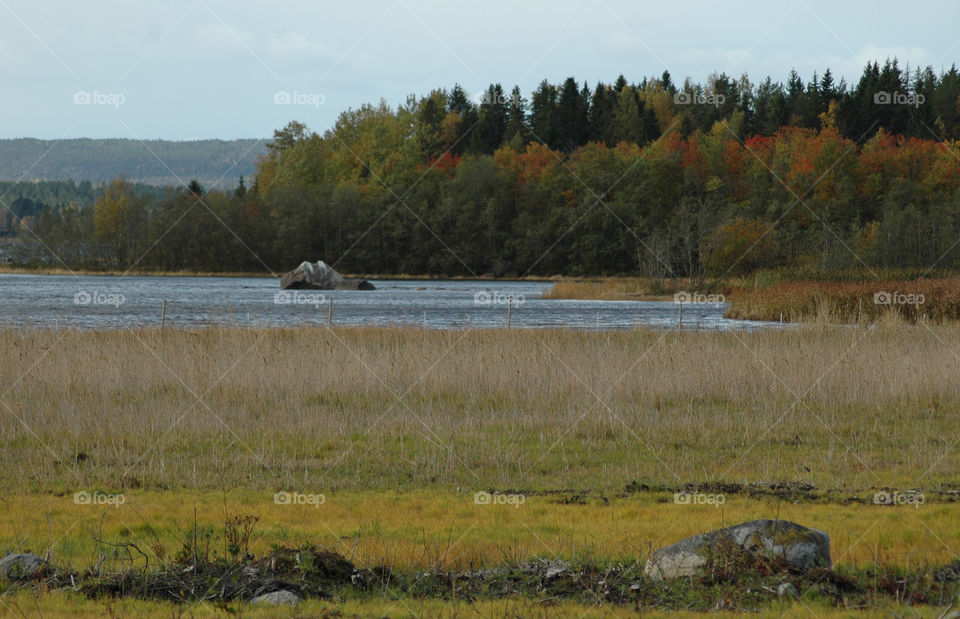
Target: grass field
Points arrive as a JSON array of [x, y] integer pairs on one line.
[[587, 435], [368, 409]]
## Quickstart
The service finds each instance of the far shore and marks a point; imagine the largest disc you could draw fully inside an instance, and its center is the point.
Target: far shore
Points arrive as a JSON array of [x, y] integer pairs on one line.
[[10, 270]]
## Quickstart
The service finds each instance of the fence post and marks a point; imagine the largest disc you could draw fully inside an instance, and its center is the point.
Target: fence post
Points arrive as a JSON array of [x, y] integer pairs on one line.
[[509, 310], [163, 314], [330, 312]]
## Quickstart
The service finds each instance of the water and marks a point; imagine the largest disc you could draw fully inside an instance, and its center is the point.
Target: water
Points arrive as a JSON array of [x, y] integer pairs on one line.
[[109, 302]]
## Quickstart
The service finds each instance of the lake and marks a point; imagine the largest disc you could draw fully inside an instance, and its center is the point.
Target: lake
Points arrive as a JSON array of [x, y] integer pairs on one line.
[[110, 302]]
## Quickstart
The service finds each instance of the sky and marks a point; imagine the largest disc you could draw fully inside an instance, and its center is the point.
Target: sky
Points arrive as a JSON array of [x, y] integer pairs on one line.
[[198, 69]]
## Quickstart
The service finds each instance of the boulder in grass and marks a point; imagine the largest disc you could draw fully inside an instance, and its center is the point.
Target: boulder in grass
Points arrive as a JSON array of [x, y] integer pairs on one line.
[[16, 566], [281, 597], [320, 276], [799, 547]]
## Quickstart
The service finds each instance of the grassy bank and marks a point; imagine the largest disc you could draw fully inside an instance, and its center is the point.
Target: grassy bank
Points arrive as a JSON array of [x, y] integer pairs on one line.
[[398, 429], [935, 300], [420, 530], [16, 270], [843, 297], [402, 554], [623, 288]]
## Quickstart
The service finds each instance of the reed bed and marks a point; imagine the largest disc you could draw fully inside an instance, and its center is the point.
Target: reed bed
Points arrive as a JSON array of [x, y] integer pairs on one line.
[[364, 408], [918, 300], [627, 288]]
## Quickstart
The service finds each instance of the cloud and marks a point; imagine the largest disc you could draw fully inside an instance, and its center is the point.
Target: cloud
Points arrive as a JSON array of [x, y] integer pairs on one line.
[[288, 44]]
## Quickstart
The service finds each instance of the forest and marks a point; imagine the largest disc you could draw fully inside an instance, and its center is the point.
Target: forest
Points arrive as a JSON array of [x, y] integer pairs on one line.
[[650, 178]]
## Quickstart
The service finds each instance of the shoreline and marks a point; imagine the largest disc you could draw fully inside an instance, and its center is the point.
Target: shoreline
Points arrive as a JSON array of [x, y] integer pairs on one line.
[[8, 270]]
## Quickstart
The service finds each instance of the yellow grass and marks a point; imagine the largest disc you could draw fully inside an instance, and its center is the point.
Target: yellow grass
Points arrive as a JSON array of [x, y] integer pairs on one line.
[[421, 530]]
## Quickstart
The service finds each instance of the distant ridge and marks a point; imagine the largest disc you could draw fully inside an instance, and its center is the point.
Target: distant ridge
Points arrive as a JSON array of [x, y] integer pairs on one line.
[[155, 162]]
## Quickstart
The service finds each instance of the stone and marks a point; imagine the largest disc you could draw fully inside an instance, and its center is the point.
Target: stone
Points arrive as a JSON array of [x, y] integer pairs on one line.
[[800, 547], [787, 589], [320, 276], [20, 565], [280, 597]]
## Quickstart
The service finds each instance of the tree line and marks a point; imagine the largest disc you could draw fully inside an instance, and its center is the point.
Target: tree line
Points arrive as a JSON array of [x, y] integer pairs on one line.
[[648, 178]]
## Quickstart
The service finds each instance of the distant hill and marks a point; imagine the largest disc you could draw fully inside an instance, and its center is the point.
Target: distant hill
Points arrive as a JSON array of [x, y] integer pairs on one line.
[[155, 162]]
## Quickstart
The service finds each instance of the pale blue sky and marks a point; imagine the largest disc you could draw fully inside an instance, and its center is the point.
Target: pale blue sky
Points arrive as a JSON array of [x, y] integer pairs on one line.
[[187, 69]]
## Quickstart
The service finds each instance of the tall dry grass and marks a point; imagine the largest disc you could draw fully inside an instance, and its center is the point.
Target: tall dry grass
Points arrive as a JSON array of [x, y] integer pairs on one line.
[[627, 288], [407, 408], [915, 300]]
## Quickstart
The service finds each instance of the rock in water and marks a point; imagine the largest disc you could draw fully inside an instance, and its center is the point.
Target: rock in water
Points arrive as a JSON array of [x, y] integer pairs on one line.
[[15, 566], [801, 548], [320, 276]]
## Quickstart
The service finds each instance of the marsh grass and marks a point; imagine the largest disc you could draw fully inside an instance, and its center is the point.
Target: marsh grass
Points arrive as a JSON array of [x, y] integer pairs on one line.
[[839, 298], [398, 428], [628, 288], [918, 300], [368, 409]]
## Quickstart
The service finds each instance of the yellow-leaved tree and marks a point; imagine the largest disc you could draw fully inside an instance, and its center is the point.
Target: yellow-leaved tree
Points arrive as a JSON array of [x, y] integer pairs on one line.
[[120, 223]]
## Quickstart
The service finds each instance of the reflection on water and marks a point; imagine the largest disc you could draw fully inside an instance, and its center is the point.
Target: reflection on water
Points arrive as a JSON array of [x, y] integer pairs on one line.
[[97, 301]]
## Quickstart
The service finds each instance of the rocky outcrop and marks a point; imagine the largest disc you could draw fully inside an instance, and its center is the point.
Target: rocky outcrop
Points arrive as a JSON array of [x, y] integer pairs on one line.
[[320, 276], [797, 546]]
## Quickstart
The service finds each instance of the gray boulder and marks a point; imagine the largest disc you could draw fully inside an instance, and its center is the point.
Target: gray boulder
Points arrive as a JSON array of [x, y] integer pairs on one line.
[[787, 589], [801, 548], [320, 276], [281, 597], [20, 565]]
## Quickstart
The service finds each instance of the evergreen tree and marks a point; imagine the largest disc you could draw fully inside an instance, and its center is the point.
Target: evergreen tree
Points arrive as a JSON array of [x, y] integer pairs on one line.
[[516, 116], [543, 114]]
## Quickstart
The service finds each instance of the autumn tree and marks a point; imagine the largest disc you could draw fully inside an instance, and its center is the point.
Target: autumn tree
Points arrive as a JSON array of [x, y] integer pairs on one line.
[[120, 220]]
